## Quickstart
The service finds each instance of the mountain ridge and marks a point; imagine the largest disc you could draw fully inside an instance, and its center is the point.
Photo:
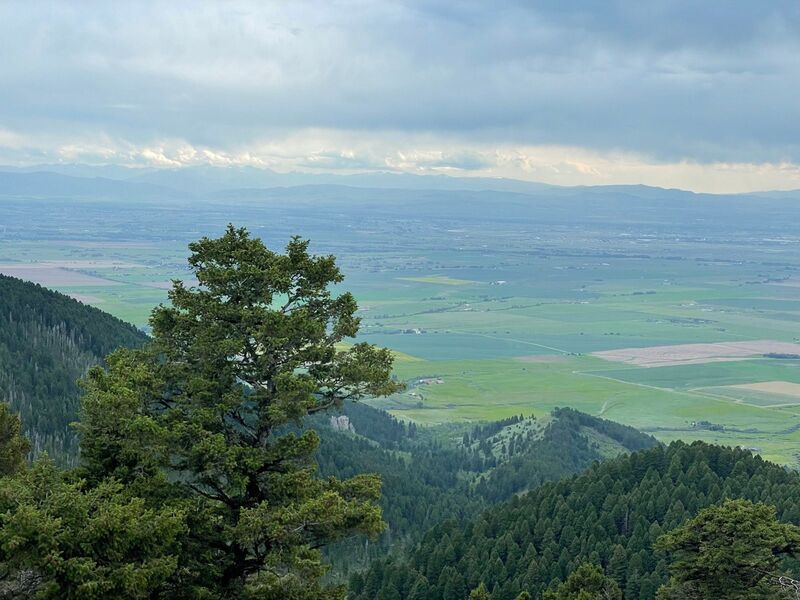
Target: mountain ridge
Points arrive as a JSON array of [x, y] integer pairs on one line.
[[201, 180]]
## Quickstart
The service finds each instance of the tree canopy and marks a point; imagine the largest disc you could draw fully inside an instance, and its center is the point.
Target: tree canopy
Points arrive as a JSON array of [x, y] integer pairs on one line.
[[733, 550], [188, 441], [14, 446], [47, 342], [611, 515], [587, 582]]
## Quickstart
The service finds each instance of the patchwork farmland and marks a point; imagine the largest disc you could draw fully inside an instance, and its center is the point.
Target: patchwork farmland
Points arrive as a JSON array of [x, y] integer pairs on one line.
[[697, 338]]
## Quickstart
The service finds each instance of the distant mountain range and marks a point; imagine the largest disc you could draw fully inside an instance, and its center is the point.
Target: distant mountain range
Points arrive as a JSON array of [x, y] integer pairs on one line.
[[205, 179], [77, 179]]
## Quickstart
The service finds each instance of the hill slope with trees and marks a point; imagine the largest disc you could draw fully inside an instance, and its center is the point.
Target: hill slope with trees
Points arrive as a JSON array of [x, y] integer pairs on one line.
[[47, 342], [430, 475], [611, 516]]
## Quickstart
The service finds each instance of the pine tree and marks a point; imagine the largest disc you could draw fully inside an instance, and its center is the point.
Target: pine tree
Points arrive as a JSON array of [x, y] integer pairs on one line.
[[729, 551], [587, 582], [189, 454], [59, 540], [479, 593], [13, 444]]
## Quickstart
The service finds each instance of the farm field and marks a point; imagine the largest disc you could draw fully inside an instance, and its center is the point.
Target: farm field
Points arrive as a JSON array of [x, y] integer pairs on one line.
[[468, 391], [684, 354], [686, 331]]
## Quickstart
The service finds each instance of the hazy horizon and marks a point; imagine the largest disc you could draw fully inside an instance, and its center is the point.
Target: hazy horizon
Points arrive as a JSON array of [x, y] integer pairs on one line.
[[362, 179]]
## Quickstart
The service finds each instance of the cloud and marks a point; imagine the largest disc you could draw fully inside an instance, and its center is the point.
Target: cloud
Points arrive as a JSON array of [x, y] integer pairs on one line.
[[319, 150], [670, 81]]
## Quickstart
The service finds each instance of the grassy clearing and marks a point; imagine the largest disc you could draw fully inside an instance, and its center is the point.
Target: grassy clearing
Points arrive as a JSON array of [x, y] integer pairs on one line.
[[687, 377]]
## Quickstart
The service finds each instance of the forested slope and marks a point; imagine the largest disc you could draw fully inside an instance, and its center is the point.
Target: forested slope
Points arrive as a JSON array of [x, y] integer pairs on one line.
[[430, 475], [611, 515], [47, 341]]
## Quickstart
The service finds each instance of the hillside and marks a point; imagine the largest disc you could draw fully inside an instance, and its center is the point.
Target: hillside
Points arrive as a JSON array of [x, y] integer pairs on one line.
[[431, 474], [47, 341], [610, 515]]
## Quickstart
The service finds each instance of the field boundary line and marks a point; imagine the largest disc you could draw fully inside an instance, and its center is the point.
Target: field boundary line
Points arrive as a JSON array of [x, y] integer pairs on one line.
[[723, 398], [507, 339], [689, 393]]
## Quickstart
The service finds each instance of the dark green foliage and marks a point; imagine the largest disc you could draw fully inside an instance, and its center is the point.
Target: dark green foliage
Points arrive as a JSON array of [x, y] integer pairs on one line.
[[567, 450], [420, 484], [610, 516], [199, 419], [730, 551], [47, 342], [14, 446], [380, 427], [426, 482], [62, 540], [587, 582]]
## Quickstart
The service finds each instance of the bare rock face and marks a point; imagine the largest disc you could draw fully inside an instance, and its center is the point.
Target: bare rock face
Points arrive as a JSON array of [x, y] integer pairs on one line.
[[342, 423]]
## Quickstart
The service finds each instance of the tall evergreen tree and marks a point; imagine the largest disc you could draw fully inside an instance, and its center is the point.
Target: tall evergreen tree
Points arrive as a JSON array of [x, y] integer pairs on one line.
[[188, 441], [14, 446], [479, 593], [730, 551]]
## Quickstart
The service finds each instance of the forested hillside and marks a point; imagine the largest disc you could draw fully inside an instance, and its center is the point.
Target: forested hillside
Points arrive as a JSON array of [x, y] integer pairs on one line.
[[430, 475], [47, 342], [611, 516]]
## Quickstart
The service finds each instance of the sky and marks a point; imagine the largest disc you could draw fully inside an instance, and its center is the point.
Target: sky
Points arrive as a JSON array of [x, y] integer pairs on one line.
[[674, 93]]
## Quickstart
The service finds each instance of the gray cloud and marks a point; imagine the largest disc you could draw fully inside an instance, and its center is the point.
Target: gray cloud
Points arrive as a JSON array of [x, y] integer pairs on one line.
[[669, 79]]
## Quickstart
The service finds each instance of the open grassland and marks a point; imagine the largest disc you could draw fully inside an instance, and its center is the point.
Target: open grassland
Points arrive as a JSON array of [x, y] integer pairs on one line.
[[774, 394]]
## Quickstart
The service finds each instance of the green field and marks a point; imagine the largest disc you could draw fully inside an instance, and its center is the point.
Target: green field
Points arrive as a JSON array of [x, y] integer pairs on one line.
[[477, 390], [508, 315]]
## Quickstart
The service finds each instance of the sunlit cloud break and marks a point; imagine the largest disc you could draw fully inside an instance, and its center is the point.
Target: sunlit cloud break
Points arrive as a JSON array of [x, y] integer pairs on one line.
[[663, 93]]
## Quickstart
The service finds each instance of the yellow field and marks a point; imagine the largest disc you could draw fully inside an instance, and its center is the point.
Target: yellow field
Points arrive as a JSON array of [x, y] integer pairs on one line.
[[781, 388], [688, 354]]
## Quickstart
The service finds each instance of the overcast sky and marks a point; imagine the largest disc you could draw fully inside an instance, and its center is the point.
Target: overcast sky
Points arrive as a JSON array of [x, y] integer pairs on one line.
[[678, 93]]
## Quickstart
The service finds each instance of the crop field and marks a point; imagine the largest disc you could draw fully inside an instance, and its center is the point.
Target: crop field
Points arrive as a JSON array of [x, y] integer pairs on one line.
[[774, 394], [778, 388], [53, 276], [691, 339], [686, 354]]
